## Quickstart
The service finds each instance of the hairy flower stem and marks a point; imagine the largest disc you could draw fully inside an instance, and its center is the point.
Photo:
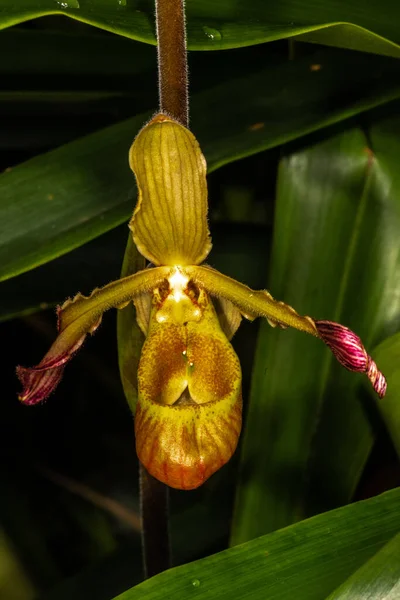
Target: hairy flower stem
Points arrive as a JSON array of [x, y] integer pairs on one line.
[[172, 59], [155, 527], [173, 99]]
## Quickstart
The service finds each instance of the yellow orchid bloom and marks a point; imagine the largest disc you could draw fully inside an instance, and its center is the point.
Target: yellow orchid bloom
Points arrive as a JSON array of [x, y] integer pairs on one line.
[[188, 416]]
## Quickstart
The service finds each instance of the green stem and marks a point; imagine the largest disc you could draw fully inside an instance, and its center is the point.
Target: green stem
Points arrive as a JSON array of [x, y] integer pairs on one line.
[[172, 59], [155, 526]]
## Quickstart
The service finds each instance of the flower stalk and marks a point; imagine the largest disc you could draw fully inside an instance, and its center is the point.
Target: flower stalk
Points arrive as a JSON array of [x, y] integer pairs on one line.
[[173, 100], [172, 59], [154, 515]]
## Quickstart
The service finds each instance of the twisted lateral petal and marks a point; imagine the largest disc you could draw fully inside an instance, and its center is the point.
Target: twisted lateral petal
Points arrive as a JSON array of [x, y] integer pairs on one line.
[[251, 303], [38, 385], [169, 225], [188, 418], [77, 318], [350, 352], [344, 343]]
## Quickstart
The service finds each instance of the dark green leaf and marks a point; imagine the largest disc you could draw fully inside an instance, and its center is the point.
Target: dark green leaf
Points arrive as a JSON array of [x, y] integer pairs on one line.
[[306, 561], [49, 98], [60, 200], [384, 135], [93, 265], [307, 435], [377, 579], [130, 337], [29, 52], [388, 356], [228, 24]]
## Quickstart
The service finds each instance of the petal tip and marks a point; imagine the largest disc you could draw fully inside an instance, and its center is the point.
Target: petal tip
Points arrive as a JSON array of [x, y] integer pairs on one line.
[[377, 378], [350, 352], [37, 385], [344, 344]]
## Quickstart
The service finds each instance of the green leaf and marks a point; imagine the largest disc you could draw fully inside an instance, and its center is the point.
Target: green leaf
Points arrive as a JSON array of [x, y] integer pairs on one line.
[[306, 561], [225, 24], [14, 582], [388, 355], [86, 53], [93, 265], [384, 135], [377, 579], [62, 199], [307, 435], [130, 338], [50, 98]]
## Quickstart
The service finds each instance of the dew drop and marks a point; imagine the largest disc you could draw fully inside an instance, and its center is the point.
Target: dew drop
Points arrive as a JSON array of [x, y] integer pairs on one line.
[[212, 34], [195, 583], [122, 2], [69, 4]]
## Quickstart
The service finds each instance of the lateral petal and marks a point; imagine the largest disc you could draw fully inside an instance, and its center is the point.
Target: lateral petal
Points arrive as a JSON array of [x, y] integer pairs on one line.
[[77, 318], [346, 346]]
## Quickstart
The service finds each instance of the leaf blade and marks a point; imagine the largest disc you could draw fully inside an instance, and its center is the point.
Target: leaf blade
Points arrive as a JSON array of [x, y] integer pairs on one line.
[[129, 336], [83, 189], [308, 559], [388, 353], [307, 411], [225, 25], [377, 579]]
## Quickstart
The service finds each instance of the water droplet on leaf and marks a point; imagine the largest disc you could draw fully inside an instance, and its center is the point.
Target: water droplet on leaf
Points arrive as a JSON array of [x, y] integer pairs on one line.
[[122, 2], [69, 4], [195, 583], [212, 34]]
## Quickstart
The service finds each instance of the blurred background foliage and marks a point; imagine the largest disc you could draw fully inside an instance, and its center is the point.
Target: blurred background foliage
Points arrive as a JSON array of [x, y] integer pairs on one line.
[[311, 211]]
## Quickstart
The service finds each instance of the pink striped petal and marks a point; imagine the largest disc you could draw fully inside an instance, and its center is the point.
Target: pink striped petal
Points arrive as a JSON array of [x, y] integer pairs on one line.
[[350, 352], [38, 385]]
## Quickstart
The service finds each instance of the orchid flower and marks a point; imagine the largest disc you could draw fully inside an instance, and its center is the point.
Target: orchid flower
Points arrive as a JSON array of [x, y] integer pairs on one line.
[[188, 416]]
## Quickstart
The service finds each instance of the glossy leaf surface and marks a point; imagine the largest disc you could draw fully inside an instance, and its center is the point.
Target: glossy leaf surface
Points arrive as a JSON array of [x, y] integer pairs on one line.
[[309, 559], [130, 337], [308, 435], [62, 199], [227, 24], [388, 353], [377, 579]]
